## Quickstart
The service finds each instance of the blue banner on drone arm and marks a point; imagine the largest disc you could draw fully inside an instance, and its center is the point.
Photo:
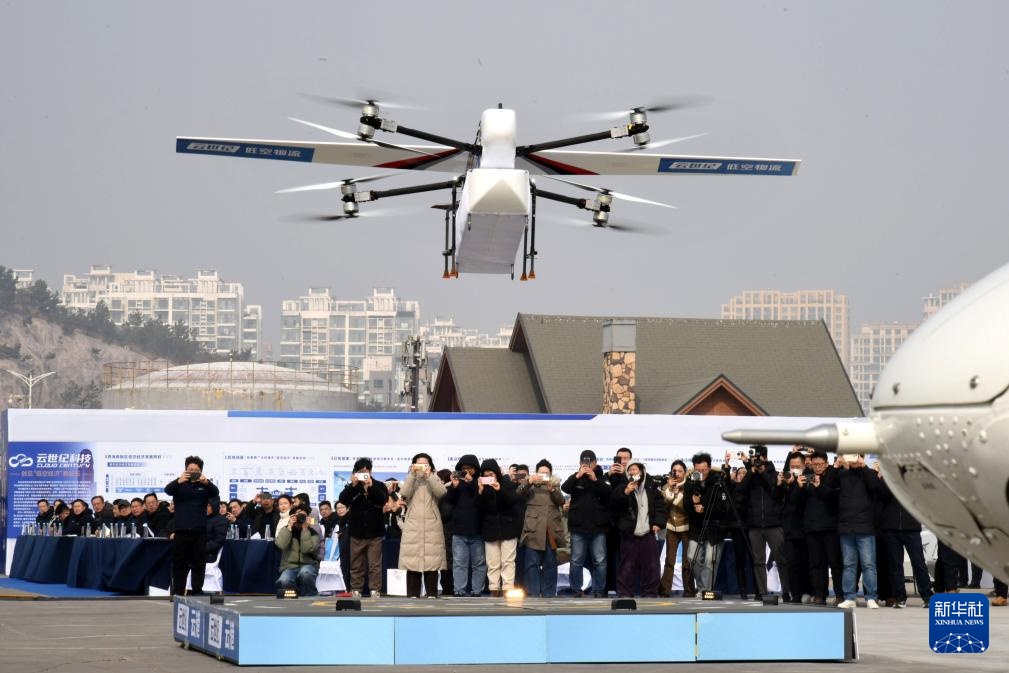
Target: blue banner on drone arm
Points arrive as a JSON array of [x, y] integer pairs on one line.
[[225, 148], [726, 167]]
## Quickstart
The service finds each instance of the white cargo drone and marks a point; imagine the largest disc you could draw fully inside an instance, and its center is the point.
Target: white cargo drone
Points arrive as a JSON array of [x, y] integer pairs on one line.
[[497, 205]]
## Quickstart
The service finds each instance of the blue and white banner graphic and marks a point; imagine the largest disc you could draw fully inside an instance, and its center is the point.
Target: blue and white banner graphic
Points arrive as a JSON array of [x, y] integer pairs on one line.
[[958, 623]]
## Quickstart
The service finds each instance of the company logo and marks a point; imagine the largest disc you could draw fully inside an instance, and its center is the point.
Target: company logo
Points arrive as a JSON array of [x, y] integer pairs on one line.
[[694, 166], [958, 623], [182, 619], [20, 460], [213, 147]]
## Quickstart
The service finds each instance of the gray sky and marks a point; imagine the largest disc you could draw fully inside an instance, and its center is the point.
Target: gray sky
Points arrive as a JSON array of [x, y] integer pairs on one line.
[[898, 111]]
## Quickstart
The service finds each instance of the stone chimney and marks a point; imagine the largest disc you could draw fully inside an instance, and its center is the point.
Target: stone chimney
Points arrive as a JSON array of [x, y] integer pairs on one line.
[[619, 367]]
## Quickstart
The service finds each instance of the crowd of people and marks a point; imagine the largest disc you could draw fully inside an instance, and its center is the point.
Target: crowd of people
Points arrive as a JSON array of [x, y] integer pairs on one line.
[[826, 525]]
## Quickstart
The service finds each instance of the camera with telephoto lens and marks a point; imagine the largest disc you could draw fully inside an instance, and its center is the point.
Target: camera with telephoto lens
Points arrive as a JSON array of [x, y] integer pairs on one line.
[[696, 476], [195, 476], [301, 518]]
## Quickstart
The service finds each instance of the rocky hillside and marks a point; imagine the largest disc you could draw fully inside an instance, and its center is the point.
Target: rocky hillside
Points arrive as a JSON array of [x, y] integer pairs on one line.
[[35, 345]]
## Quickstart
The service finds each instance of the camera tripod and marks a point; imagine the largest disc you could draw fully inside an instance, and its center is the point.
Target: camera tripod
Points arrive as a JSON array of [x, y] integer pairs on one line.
[[718, 492]]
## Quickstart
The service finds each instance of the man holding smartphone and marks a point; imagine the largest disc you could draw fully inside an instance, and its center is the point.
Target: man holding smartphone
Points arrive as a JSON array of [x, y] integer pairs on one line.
[[366, 499], [191, 493]]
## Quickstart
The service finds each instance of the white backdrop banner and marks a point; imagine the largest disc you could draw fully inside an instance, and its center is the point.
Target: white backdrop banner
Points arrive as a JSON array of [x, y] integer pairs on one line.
[[69, 454]]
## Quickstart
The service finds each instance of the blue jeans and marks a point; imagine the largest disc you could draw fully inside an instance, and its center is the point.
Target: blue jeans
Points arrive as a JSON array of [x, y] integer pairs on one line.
[[857, 549], [467, 554], [582, 543], [541, 581], [301, 579]]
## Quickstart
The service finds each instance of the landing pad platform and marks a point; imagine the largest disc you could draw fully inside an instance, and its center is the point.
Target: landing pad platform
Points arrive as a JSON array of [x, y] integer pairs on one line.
[[402, 631]]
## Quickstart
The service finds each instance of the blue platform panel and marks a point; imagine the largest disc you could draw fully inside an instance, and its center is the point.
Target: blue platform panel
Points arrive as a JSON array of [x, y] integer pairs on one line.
[[576, 639], [325, 640], [772, 636], [471, 640]]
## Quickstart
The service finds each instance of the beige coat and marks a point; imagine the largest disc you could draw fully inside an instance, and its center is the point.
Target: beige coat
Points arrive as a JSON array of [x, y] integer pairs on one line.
[[543, 509], [422, 547]]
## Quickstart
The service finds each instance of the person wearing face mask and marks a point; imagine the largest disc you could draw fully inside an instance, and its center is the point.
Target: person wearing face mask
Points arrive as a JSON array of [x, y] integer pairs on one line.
[[640, 514], [677, 532], [542, 529]]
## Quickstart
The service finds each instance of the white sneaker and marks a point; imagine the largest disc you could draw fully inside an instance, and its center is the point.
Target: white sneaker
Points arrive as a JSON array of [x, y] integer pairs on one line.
[[872, 605], [848, 604]]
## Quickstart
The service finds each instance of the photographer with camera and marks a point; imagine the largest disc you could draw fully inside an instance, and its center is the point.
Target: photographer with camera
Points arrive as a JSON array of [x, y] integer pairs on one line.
[[542, 530], [366, 499], [302, 547], [761, 494], [496, 502], [422, 550], [616, 477], [469, 561], [706, 496], [796, 562], [588, 520], [640, 515], [263, 513], [817, 495], [677, 531], [191, 493], [856, 528]]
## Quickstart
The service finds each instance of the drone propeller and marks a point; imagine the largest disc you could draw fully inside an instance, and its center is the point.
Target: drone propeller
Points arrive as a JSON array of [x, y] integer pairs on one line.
[[609, 192], [365, 97], [332, 185], [369, 214], [662, 105], [351, 136], [622, 226], [661, 143]]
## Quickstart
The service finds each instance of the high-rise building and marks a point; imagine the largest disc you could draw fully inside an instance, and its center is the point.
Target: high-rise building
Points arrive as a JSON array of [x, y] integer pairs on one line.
[[829, 306], [214, 309], [362, 337], [871, 350], [937, 300]]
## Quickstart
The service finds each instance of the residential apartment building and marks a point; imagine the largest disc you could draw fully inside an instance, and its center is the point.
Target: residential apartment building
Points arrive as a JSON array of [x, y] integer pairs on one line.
[[214, 309], [937, 300], [871, 350], [829, 306], [23, 278], [324, 334]]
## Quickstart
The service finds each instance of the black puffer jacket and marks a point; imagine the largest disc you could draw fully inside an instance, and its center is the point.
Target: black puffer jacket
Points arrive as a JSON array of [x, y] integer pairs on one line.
[[462, 500], [819, 504], [77, 524], [792, 511], [590, 503], [856, 508], [760, 497], [894, 516], [367, 520], [497, 506], [625, 508], [191, 498]]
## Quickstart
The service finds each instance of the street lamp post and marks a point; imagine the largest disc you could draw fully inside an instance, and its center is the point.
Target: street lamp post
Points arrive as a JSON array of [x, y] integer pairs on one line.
[[29, 381]]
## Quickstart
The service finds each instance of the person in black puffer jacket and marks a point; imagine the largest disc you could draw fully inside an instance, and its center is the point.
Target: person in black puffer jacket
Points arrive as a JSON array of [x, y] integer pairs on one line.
[[902, 531], [640, 513], [588, 520], [366, 499], [817, 496], [79, 519], [794, 550], [496, 501], [469, 560], [856, 529], [761, 493], [191, 493]]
